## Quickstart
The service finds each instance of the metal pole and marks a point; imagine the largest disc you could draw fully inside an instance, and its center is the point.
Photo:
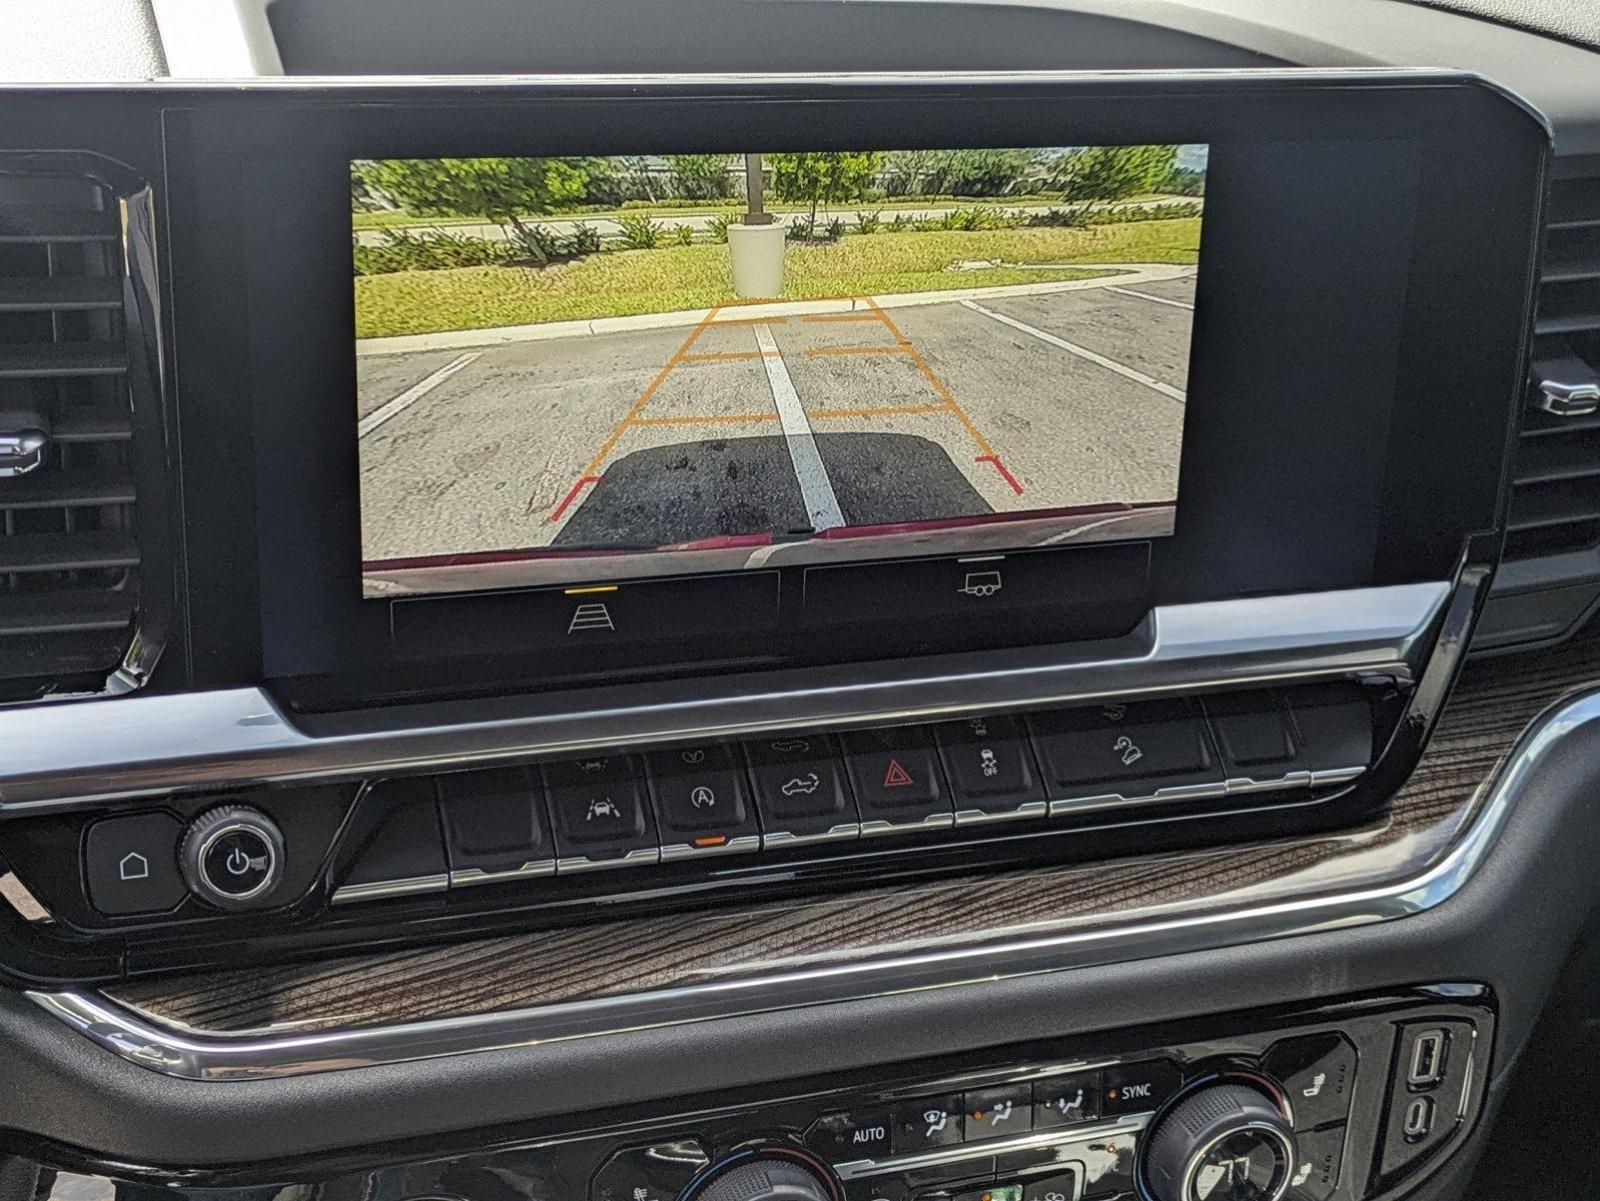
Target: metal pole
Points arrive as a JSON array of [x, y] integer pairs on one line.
[[754, 187]]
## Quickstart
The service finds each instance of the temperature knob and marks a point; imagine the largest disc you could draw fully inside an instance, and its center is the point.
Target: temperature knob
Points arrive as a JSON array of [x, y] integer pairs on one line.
[[1226, 1141], [232, 857], [774, 1172]]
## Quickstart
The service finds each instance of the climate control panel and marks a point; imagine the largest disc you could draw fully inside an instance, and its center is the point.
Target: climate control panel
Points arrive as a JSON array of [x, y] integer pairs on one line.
[[1351, 1099], [1298, 1109]]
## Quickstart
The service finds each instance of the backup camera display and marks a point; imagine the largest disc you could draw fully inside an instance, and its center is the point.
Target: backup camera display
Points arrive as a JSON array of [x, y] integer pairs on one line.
[[579, 369]]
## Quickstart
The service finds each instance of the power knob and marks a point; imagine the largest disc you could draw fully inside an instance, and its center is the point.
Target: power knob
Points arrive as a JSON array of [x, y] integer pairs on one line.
[[232, 857], [1226, 1141], [771, 1172]]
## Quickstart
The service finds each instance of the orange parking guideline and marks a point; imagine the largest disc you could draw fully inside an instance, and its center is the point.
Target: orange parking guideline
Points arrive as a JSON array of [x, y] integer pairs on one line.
[[723, 356], [884, 411], [750, 321], [824, 317], [610, 443], [928, 372], [824, 351], [708, 419]]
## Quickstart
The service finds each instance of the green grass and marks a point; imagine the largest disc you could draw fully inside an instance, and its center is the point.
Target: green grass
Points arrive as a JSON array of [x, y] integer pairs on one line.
[[623, 283], [389, 219]]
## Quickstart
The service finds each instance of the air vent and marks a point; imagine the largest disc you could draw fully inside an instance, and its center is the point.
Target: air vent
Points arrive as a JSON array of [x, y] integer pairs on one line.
[[73, 362], [1551, 575], [1556, 504]]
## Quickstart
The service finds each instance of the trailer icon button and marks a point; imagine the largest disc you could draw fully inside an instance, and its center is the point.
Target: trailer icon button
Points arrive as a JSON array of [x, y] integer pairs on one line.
[[981, 583]]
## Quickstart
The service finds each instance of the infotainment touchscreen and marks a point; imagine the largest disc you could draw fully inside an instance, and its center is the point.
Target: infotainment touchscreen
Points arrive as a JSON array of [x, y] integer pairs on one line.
[[599, 368]]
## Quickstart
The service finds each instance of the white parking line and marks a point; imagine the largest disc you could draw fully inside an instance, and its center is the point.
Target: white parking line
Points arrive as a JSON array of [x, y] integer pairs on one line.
[[822, 506], [1082, 352], [393, 408], [1177, 304]]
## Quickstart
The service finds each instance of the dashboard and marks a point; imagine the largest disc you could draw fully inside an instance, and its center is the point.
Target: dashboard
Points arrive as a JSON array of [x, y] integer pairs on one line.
[[909, 602]]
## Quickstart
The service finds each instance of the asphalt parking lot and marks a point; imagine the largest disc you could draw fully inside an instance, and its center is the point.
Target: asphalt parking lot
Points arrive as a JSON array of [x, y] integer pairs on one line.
[[757, 421]]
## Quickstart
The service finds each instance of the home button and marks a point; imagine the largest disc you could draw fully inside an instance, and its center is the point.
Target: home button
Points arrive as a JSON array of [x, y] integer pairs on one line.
[[131, 864]]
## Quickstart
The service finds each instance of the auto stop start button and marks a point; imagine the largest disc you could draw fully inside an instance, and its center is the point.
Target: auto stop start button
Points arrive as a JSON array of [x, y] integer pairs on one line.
[[238, 862], [233, 857]]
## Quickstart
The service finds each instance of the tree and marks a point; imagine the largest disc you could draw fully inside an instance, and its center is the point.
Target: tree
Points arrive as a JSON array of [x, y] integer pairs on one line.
[[904, 171], [1104, 173], [830, 177], [700, 176], [501, 190], [978, 172]]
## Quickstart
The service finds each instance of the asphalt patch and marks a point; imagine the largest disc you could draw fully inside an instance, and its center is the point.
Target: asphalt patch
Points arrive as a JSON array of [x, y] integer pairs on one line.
[[885, 479], [690, 491]]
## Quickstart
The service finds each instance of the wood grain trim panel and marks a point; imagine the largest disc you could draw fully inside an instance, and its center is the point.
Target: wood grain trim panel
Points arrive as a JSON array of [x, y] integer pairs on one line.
[[1493, 703]]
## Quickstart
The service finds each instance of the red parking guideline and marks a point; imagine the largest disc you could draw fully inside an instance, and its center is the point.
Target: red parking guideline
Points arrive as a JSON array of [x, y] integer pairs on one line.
[[1001, 468], [572, 495]]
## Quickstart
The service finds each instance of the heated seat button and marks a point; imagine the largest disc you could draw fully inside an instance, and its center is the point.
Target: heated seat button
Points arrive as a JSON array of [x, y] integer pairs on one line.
[[1129, 749], [998, 1112], [131, 864], [897, 780], [801, 789], [1318, 1072], [927, 1123], [1320, 1157], [990, 765], [1137, 1087], [1253, 730], [601, 817], [657, 1172], [1065, 1100], [495, 825], [701, 804], [863, 1133]]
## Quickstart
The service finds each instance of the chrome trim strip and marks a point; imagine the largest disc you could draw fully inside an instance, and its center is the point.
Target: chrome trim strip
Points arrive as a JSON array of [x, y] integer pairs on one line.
[[465, 876], [672, 852], [261, 1054], [71, 753], [377, 890], [641, 857]]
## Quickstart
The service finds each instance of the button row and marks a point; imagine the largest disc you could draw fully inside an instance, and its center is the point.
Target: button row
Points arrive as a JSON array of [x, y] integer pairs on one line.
[[944, 1120], [422, 834]]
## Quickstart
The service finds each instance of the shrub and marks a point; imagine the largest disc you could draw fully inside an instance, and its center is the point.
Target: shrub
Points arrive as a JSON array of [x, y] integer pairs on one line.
[[834, 230], [868, 223], [537, 242], [1058, 218], [900, 223], [1122, 214], [718, 227], [584, 239], [427, 250], [639, 232], [683, 235]]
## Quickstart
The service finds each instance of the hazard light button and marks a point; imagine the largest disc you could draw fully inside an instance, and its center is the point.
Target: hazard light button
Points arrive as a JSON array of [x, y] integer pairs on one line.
[[897, 780]]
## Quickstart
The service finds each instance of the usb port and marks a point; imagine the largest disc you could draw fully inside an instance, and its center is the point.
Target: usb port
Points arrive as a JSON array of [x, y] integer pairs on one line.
[[1427, 1059], [1418, 1120]]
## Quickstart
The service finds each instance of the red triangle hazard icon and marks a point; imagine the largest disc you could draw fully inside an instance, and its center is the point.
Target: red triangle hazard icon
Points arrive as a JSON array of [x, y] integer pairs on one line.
[[896, 776]]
